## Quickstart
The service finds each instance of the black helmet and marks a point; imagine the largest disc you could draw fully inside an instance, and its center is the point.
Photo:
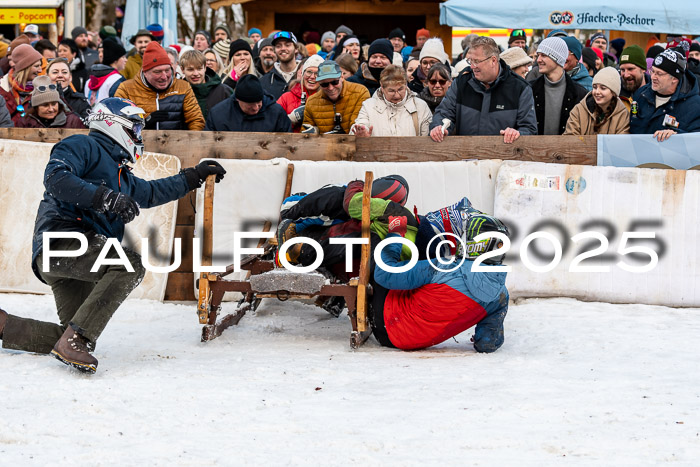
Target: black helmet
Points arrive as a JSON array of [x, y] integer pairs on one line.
[[391, 187], [478, 224]]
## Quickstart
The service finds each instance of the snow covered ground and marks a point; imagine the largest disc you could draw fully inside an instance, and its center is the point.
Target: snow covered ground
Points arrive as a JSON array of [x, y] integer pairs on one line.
[[574, 384]]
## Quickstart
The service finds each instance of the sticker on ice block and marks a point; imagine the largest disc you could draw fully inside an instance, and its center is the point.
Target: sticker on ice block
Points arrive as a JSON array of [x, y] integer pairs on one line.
[[538, 182], [575, 185]]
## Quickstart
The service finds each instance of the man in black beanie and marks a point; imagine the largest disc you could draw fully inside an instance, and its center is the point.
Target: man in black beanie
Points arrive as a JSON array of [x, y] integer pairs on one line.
[[87, 55], [381, 53], [398, 39], [249, 109], [105, 77], [670, 104]]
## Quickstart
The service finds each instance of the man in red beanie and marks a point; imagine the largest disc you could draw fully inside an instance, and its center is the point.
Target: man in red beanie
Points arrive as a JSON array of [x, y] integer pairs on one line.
[[170, 103], [422, 35]]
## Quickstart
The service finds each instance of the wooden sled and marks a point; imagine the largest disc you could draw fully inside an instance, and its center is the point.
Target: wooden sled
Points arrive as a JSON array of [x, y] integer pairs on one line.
[[284, 286]]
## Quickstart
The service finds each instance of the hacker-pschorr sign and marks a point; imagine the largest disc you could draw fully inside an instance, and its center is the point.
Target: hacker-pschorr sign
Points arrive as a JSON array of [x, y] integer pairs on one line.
[[597, 19]]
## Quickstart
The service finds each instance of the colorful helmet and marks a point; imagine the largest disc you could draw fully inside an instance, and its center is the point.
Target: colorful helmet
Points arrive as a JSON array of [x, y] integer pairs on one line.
[[391, 187], [121, 120], [478, 224]]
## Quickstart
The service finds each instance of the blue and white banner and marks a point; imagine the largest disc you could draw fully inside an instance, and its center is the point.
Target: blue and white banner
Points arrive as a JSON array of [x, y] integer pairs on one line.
[[677, 152], [141, 13], [660, 16]]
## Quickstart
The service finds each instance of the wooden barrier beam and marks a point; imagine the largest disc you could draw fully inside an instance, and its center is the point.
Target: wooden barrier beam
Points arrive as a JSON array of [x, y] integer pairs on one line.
[[191, 146]]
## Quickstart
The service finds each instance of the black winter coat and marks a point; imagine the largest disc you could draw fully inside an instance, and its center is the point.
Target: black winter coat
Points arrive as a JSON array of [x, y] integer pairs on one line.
[[228, 116], [572, 95], [273, 83], [80, 164], [76, 102]]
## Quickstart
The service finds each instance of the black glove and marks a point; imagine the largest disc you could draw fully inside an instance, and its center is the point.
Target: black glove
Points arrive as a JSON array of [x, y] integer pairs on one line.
[[195, 176], [106, 200], [154, 118]]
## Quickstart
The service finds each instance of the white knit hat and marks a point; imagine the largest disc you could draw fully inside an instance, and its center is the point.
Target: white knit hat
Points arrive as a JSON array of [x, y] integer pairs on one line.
[[515, 57], [433, 48], [555, 48], [610, 78], [314, 60]]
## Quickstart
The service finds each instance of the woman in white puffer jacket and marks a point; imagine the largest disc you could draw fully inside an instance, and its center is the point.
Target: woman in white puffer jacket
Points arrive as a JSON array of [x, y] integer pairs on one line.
[[393, 110]]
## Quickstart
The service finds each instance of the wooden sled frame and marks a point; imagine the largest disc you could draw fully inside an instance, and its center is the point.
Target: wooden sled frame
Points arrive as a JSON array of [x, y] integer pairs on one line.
[[213, 286]]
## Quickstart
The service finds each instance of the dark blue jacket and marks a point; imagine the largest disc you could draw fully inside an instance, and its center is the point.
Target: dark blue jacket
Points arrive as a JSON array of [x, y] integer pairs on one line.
[[684, 106], [274, 83], [228, 116], [78, 165]]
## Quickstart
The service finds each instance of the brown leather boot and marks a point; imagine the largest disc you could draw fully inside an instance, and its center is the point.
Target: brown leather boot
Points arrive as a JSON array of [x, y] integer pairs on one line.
[[3, 320], [72, 350]]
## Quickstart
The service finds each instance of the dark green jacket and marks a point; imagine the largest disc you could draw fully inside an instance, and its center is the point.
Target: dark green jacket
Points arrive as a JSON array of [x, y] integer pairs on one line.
[[211, 92]]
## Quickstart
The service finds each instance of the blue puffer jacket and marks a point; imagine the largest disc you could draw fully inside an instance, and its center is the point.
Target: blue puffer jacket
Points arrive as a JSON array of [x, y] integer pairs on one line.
[[78, 165], [684, 106], [580, 76], [228, 116]]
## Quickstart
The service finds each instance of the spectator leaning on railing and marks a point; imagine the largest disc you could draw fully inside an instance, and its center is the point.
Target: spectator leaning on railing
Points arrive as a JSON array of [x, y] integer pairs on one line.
[[486, 99], [393, 110]]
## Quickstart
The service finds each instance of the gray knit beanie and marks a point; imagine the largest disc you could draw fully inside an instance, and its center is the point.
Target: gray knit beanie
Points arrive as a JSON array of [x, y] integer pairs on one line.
[[555, 48]]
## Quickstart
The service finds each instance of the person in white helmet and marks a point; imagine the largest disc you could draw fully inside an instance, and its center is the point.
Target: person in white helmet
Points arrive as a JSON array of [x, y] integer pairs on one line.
[[91, 190]]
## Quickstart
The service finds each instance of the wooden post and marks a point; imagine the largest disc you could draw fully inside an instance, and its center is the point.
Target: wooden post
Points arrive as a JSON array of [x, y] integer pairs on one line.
[[207, 248], [364, 258]]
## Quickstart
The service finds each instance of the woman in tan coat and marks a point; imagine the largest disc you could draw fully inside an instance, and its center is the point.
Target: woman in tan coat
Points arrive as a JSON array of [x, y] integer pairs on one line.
[[600, 111]]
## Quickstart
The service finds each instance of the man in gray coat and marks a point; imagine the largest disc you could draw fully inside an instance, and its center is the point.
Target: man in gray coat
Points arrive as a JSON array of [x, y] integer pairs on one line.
[[5, 119], [486, 99]]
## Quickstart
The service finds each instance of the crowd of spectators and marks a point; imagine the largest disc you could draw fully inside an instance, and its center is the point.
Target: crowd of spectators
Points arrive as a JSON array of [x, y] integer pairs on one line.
[[335, 83]]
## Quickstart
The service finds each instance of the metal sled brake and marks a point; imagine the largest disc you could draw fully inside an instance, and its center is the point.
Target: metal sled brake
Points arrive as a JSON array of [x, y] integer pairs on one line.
[[264, 280]]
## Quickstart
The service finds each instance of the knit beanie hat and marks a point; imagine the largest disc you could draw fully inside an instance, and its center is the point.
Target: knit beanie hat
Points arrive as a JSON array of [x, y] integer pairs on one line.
[[589, 57], [252, 31], [671, 62], [634, 55], [557, 33], [42, 94], [694, 47], [516, 35], [433, 48], [249, 89], [327, 35], [617, 45], [224, 28], [654, 50], [598, 35], [19, 40], [267, 42], [681, 45], [238, 45], [156, 31], [423, 33], [344, 29], [397, 33], [24, 56], [610, 78], [107, 31], [111, 51], [205, 34], [78, 30], [222, 47], [555, 48], [382, 46], [598, 52], [515, 57], [155, 55], [574, 46], [313, 37], [312, 61]]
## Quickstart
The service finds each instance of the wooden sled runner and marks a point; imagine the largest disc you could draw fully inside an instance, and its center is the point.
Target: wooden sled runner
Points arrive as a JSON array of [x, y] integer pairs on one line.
[[265, 280]]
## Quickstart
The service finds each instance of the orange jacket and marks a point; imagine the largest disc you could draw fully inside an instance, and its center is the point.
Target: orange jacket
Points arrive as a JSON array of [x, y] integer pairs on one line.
[[179, 101]]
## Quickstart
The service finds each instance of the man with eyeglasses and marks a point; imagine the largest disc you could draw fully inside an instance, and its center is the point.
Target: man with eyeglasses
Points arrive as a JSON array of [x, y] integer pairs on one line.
[[486, 99], [170, 103], [670, 104], [338, 103], [555, 93], [285, 68]]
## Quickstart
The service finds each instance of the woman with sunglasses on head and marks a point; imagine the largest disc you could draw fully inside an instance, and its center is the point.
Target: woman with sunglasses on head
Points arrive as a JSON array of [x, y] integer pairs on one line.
[[301, 88], [16, 86], [68, 49], [48, 111], [438, 82], [60, 74]]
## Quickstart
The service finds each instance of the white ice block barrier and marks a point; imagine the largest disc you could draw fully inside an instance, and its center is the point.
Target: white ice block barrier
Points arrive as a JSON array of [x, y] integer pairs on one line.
[[252, 191], [21, 189], [622, 204]]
